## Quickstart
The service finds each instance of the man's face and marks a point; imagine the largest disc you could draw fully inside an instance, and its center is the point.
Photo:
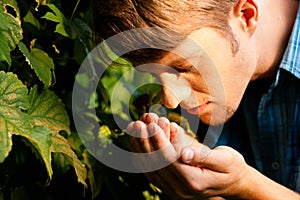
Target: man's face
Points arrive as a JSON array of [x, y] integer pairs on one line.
[[204, 77]]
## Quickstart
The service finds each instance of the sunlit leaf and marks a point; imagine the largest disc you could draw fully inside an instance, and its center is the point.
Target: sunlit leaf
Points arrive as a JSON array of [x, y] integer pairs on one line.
[[48, 111], [12, 3], [95, 173], [41, 63], [61, 145], [13, 96], [4, 49], [12, 122], [29, 18], [5, 140], [12, 91], [40, 139], [10, 29], [63, 27]]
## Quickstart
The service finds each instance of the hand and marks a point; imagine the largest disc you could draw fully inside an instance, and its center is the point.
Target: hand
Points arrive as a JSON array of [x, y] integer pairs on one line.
[[199, 173]]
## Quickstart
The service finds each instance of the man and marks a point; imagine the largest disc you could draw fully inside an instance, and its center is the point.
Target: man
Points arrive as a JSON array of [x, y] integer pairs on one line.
[[254, 46]]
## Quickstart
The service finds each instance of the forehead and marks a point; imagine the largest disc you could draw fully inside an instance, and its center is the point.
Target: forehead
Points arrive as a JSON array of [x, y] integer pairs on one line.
[[188, 53], [187, 56], [188, 49], [194, 63]]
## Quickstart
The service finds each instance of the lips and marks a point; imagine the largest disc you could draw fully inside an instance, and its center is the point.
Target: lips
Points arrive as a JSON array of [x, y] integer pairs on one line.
[[197, 110]]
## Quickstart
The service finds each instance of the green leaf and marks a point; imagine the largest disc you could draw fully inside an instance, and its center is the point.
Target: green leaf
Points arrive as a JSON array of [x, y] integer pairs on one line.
[[63, 26], [5, 139], [40, 139], [13, 97], [96, 173], [29, 18], [10, 29], [41, 63], [12, 3], [4, 49], [61, 145], [82, 30], [48, 110], [13, 122], [12, 91]]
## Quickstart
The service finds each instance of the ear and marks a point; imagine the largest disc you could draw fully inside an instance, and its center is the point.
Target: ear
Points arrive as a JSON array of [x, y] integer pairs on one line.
[[246, 11]]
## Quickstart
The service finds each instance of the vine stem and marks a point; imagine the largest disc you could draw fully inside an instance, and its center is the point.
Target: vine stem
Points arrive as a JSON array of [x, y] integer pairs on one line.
[[76, 6]]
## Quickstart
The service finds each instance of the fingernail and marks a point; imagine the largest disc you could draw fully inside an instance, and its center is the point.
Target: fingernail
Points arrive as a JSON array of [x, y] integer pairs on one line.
[[162, 124], [136, 127], [173, 127], [187, 155], [148, 119], [151, 128]]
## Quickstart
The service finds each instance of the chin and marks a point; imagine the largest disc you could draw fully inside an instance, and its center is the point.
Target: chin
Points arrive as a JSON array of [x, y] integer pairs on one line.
[[217, 118], [214, 121]]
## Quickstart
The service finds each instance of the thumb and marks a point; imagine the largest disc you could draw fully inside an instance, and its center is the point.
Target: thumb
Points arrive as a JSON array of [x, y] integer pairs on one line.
[[216, 159], [195, 155]]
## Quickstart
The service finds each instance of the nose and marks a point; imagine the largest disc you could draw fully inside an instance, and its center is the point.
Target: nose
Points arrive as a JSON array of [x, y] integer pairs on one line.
[[175, 89]]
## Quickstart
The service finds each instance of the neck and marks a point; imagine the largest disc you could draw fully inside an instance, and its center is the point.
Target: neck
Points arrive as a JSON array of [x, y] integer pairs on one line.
[[275, 28]]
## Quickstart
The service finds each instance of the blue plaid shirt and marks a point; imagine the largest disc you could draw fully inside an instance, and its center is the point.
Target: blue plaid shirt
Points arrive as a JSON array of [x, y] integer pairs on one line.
[[266, 126]]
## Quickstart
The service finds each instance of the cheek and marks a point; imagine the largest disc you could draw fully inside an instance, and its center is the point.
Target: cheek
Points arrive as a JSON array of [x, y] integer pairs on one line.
[[197, 82], [236, 75], [234, 91]]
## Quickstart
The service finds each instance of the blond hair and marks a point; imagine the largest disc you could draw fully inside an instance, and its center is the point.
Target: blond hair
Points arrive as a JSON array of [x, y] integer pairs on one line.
[[179, 16]]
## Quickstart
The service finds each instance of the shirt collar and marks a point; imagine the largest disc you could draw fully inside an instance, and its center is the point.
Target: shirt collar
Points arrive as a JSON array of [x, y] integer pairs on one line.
[[291, 58]]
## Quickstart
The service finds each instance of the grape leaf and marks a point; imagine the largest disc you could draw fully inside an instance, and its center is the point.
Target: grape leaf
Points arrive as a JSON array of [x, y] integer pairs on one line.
[[10, 29], [81, 28], [96, 173], [41, 63], [4, 48], [13, 121], [63, 27], [12, 3], [12, 91], [61, 145], [40, 138], [48, 110], [13, 95], [30, 19]]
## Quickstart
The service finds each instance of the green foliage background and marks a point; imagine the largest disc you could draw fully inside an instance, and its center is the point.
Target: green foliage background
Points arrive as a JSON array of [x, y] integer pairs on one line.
[[42, 45]]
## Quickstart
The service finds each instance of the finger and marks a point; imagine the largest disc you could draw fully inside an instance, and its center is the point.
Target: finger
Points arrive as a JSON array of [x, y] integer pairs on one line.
[[217, 159], [164, 124], [130, 128], [196, 156], [175, 180], [148, 118], [165, 152], [179, 138], [174, 129], [134, 129], [141, 139], [134, 143], [158, 138]]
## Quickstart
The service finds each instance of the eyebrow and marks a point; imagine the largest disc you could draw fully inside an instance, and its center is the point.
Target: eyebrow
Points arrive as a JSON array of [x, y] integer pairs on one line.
[[182, 65]]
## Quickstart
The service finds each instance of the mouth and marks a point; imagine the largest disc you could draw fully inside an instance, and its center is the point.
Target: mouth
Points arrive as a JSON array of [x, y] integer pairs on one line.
[[198, 109]]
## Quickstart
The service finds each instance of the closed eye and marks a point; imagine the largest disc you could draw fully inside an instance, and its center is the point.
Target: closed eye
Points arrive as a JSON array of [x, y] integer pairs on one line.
[[184, 69]]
